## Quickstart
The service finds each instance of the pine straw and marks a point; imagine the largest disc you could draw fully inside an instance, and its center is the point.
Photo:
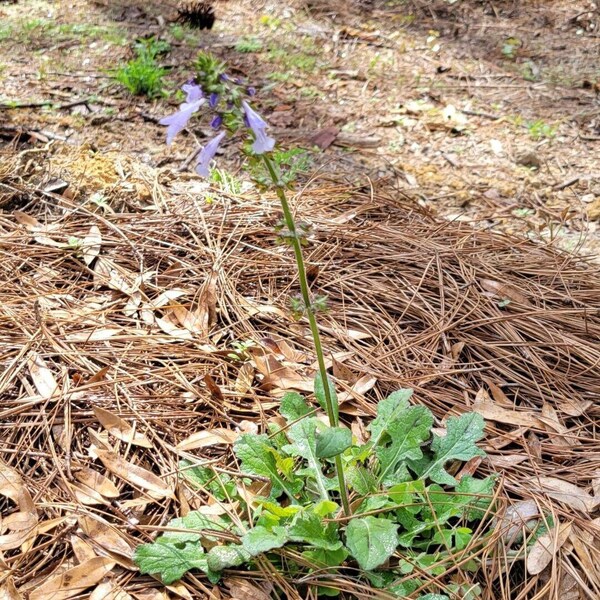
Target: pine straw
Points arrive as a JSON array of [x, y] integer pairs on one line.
[[412, 305]]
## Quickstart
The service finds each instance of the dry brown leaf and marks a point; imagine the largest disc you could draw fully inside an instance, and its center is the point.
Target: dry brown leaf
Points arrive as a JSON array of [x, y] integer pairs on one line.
[[120, 428], [252, 308], [8, 591], [520, 516], [498, 395], [550, 419], [573, 406], [42, 376], [74, 581], [341, 371], [493, 412], [87, 495], [98, 482], [172, 329], [40, 232], [545, 548], [90, 247], [507, 461], [244, 379], [208, 437], [283, 350], [360, 387], [504, 291], [134, 474], [109, 539], [213, 388], [81, 549], [566, 492], [244, 589], [150, 594], [277, 375]]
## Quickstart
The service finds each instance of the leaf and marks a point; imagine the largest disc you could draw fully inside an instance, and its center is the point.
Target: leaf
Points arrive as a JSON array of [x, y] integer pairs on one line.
[[309, 528], [260, 539], [333, 441], [388, 411], [545, 547], [303, 434], [319, 388], [277, 375], [42, 376], [170, 561], [91, 244], [209, 437], [567, 493], [242, 589], [197, 523], [457, 444], [258, 457], [73, 581], [134, 474], [294, 407], [97, 482], [504, 291], [121, 429], [491, 411], [223, 557], [361, 480], [371, 540], [409, 429], [326, 558], [243, 381], [108, 537]]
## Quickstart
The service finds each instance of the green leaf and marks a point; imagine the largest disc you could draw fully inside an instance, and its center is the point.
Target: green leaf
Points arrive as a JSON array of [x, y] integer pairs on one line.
[[293, 407], [477, 495], [220, 485], [196, 521], [361, 480], [170, 561], [303, 434], [223, 557], [325, 508], [320, 395], [459, 443], [462, 537], [326, 558], [259, 457], [409, 429], [371, 540], [260, 539], [309, 528], [388, 411], [333, 441]]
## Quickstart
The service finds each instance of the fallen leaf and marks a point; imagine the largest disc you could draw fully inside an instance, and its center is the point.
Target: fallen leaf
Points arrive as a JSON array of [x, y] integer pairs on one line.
[[213, 388], [517, 518], [504, 291], [277, 375], [498, 395], [252, 308], [341, 371], [171, 329], [81, 549], [97, 482], [323, 138], [493, 412], [502, 461], [566, 492], [573, 406], [549, 418], [244, 379], [109, 590], [8, 591], [121, 429], [134, 474], [209, 437], [360, 387], [244, 589], [102, 533], [93, 335], [73, 581], [42, 376], [545, 547], [91, 245]]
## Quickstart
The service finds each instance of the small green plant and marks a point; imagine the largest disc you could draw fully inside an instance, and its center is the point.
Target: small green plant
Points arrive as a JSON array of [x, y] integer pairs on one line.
[[292, 163], [539, 129], [412, 520], [249, 44], [143, 76], [209, 71], [510, 47]]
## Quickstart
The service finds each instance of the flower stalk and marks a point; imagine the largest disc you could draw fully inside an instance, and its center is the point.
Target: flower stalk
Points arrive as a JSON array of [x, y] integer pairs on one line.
[[312, 320]]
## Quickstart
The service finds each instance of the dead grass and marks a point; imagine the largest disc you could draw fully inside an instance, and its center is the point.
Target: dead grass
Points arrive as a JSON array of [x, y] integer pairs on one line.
[[117, 330]]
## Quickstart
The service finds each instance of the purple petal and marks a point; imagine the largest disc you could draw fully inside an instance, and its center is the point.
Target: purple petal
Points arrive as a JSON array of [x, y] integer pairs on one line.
[[251, 91], [207, 154], [216, 122], [262, 142], [192, 91], [213, 99], [177, 121]]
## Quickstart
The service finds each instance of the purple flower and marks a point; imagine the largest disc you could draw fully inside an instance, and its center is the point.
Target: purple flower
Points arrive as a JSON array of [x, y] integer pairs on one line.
[[213, 99], [216, 122], [177, 121], [207, 154], [251, 91], [262, 142]]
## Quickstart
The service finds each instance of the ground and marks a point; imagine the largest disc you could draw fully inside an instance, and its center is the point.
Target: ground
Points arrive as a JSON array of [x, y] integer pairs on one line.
[[442, 128]]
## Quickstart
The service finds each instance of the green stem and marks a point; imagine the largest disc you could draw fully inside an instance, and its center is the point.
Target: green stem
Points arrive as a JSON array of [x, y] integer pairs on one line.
[[310, 313]]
